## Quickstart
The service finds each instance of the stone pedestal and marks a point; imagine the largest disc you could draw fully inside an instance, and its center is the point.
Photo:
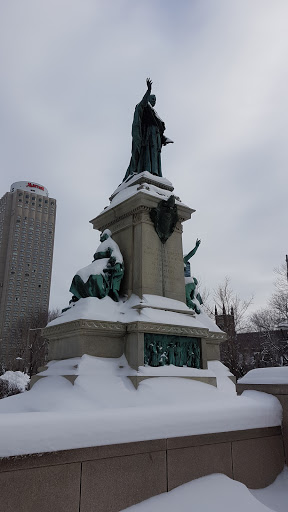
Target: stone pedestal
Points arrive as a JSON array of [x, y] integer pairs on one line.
[[92, 337], [150, 266], [112, 339]]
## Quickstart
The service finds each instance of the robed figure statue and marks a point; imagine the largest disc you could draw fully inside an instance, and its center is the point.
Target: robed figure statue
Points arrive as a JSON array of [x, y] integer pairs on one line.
[[147, 137]]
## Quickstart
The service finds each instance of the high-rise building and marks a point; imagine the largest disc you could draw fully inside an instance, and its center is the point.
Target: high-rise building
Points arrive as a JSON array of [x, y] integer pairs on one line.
[[27, 226]]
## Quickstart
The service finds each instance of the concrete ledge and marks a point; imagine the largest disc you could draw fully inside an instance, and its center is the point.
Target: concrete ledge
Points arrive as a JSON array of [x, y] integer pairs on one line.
[[273, 389], [80, 454], [222, 437], [114, 477], [280, 391], [137, 379], [37, 377]]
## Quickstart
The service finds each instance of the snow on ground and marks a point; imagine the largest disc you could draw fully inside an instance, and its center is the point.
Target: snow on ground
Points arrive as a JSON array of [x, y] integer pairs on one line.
[[103, 407], [17, 380], [274, 375], [152, 308], [218, 493], [276, 495]]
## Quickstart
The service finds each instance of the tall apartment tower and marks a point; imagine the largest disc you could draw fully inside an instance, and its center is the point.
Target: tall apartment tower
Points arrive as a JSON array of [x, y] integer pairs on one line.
[[27, 226]]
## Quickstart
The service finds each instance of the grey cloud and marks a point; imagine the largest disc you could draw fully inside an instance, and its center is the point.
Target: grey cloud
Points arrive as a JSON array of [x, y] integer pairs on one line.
[[72, 73]]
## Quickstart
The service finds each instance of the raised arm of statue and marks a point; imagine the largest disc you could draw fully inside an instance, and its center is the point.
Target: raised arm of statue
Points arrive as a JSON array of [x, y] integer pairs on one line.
[[146, 96], [191, 253]]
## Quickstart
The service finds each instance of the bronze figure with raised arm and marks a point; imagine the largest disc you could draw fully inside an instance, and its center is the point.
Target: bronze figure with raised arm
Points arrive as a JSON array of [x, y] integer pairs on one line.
[[191, 283], [147, 137]]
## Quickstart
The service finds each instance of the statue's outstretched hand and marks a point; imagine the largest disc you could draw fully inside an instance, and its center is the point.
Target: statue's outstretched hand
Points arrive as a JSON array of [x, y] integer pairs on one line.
[[198, 242], [149, 84]]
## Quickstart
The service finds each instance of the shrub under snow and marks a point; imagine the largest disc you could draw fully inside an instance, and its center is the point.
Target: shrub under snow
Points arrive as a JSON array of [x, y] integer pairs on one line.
[[12, 383]]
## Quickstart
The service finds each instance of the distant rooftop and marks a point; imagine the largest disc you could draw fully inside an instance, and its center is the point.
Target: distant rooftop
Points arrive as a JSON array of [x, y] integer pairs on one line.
[[29, 186]]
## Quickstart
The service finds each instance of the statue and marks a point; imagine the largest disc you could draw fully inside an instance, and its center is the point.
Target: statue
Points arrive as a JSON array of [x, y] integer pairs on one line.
[[171, 353], [154, 354], [188, 256], [190, 357], [114, 273], [147, 137], [103, 276], [191, 283], [179, 360]]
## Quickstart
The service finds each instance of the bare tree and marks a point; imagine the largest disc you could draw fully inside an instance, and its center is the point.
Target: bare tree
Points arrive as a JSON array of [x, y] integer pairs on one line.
[[229, 311], [226, 300], [263, 320], [31, 346], [225, 297], [266, 322], [279, 299]]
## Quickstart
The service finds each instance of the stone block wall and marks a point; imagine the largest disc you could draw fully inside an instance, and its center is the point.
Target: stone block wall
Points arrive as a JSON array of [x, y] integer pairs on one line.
[[113, 477], [281, 392]]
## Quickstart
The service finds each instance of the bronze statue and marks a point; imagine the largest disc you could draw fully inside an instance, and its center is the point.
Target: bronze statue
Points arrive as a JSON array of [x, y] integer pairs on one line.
[[191, 283], [147, 137], [188, 256], [103, 276]]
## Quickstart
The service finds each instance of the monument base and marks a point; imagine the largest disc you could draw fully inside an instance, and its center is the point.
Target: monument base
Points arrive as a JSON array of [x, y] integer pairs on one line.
[[145, 344], [79, 337], [112, 339], [152, 325]]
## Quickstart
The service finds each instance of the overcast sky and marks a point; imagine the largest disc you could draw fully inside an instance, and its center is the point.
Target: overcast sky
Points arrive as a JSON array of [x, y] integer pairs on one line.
[[71, 75]]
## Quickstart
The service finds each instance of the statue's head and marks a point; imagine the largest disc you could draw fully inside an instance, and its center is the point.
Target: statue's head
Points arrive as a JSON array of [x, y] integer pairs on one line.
[[106, 233], [152, 100], [170, 201]]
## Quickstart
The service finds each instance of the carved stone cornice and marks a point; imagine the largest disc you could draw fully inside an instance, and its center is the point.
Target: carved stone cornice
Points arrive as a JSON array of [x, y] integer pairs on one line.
[[75, 325], [65, 329], [182, 330], [136, 203], [216, 337]]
